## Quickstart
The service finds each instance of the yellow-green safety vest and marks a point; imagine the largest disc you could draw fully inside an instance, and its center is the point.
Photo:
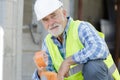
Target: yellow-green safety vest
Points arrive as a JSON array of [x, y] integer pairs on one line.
[[73, 45]]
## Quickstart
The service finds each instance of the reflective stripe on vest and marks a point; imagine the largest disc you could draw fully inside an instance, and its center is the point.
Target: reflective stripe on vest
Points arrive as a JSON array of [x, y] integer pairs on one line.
[[73, 45], [112, 68], [76, 69]]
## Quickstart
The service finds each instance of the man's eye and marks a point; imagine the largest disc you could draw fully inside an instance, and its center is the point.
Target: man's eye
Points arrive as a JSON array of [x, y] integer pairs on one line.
[[53, 16], [45, 19]]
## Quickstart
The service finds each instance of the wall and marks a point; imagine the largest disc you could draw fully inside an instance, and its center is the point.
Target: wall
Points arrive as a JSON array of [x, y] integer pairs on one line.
[[93, 11], [11, 20], [27, 15]]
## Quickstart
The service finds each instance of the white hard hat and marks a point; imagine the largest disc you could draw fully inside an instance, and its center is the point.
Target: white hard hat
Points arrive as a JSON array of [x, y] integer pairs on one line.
[[45, 7]]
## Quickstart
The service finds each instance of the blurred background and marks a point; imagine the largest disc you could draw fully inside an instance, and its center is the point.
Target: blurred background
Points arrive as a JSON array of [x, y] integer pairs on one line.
[[23, 35]]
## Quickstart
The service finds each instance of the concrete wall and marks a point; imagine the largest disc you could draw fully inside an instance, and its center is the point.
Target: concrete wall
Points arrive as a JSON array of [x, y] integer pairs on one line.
[[27, 15], [11, 14], [1, 52]]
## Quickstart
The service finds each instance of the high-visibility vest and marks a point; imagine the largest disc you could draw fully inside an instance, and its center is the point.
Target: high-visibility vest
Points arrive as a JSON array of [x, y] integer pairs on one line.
[[73, 45]]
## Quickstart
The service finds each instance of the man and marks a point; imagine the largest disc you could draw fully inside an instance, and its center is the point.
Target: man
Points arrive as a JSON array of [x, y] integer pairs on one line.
[[76, 51]]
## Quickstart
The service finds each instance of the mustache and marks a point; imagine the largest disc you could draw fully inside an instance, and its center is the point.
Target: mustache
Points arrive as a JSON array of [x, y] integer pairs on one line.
[[54, 26]]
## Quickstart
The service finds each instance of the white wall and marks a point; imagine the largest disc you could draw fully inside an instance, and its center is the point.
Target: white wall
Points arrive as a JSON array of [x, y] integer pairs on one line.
[[1, 53]]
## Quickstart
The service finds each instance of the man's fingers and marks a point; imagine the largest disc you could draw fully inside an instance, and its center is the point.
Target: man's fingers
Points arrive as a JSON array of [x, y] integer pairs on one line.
[[40, 68]]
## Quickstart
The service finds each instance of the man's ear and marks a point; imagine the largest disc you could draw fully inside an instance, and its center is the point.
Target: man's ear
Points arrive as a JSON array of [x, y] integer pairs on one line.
[[64, 12]]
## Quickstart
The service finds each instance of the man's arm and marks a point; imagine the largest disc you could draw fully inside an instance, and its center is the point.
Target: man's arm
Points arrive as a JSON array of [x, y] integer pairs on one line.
[[48, 68], [35, 75], [94, 46], [64, 68]]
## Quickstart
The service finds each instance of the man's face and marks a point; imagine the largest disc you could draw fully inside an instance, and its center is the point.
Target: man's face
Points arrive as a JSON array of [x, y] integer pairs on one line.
[[55, 22]]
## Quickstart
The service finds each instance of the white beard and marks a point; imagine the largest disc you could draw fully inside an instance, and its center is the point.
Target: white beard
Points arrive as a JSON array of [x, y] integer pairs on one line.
[[56, 30]]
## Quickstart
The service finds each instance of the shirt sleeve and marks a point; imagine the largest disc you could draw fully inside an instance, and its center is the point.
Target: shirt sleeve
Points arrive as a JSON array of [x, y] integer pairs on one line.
[[50, 66], [35, 75], [94, 46]]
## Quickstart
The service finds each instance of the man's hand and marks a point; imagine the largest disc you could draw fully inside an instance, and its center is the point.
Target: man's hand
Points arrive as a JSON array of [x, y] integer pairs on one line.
[[40, 70], [64, 68], [40, 58]]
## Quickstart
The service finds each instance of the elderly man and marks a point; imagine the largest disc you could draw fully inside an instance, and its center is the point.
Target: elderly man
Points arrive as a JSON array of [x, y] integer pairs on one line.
[[76, 51]]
